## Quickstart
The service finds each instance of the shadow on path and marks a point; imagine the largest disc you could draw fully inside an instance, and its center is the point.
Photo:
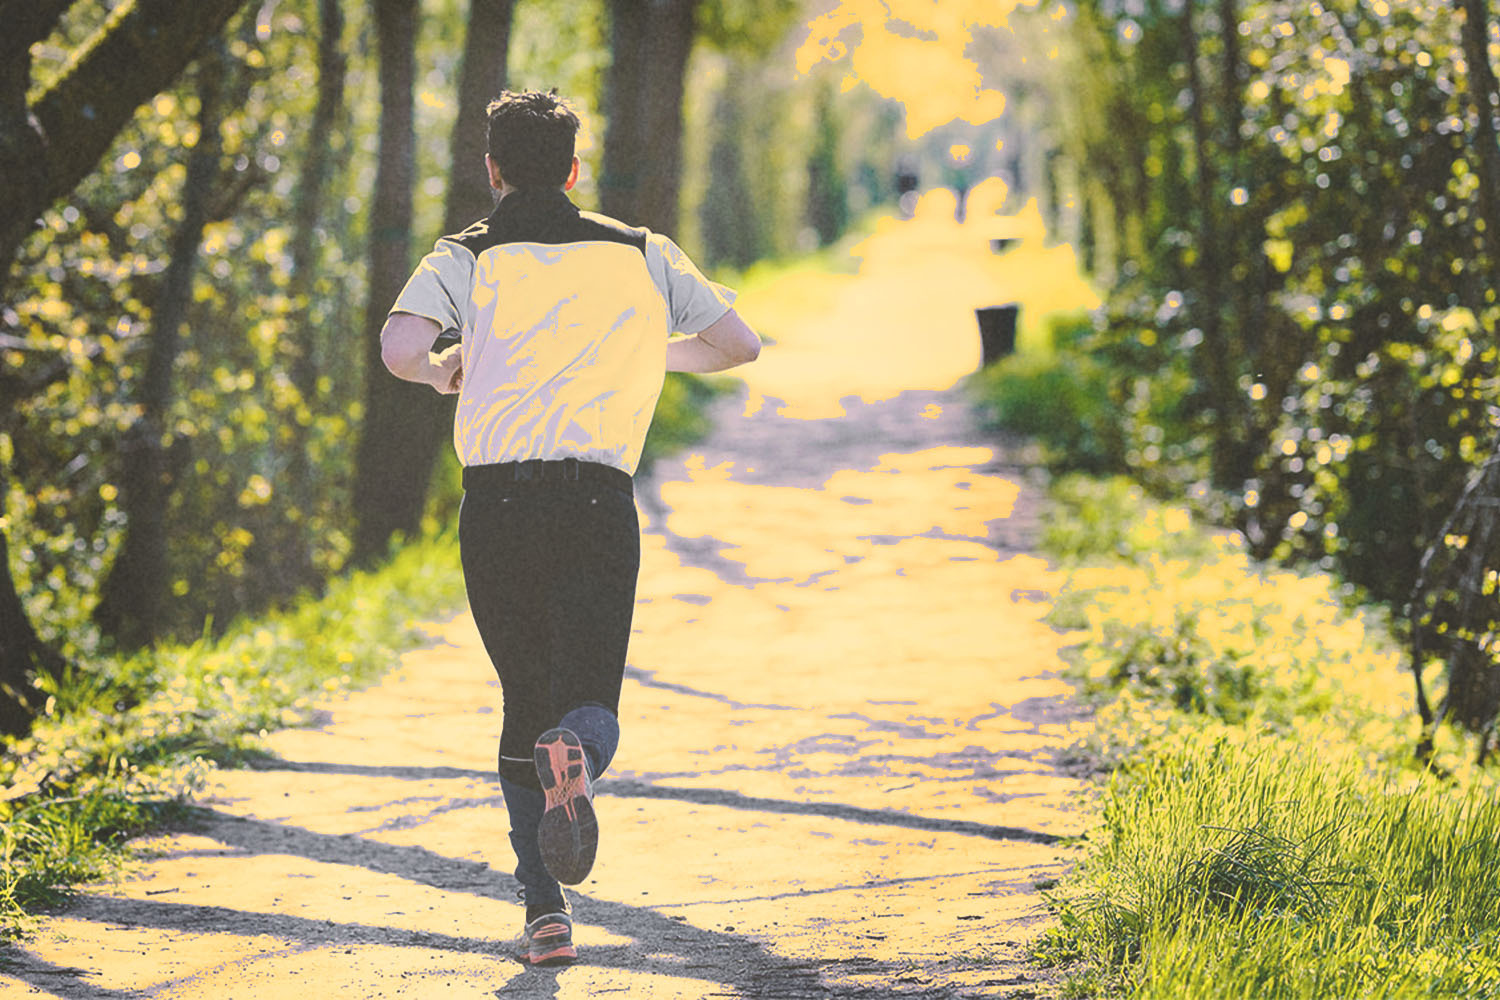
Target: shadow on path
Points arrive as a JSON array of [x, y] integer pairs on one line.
[[632, 789], [660, 944]]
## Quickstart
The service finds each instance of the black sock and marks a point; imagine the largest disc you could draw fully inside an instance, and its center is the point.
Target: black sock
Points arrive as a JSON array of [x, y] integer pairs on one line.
[[535, 910]]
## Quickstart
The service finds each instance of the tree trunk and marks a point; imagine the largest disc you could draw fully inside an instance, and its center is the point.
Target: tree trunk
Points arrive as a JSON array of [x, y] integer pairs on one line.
[[23, 655], [399, 440], [1463, 601], [1485, 96], [650, 41], [133, 597], [620, 180], [1214, 354], [306, 256], [827, 194], [728, 222], [48, 147], [482, 77], [1453, 609], [22, 146]]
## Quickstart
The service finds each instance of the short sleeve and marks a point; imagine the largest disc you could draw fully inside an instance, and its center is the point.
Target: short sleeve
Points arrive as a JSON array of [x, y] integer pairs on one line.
[[693, 302], [439, 288]]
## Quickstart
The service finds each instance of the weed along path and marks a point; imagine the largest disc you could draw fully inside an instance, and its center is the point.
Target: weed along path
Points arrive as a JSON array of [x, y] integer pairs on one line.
[[841, 723]]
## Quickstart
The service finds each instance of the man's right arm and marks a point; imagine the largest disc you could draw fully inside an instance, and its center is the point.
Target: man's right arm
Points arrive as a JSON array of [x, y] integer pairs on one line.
[[406, 345]]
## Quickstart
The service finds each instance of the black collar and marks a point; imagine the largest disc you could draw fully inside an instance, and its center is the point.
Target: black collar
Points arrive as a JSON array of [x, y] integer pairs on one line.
[[533, 203]]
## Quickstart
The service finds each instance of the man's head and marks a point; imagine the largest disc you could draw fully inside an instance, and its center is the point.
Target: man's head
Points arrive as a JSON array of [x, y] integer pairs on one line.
[[531, 137]]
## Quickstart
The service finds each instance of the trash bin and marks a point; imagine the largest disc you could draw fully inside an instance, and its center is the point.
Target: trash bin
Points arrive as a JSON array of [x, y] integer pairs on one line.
[[997, 331]]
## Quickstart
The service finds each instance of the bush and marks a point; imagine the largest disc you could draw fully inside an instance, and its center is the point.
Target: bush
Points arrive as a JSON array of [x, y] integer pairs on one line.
[[1112, 519], [1061, 401]]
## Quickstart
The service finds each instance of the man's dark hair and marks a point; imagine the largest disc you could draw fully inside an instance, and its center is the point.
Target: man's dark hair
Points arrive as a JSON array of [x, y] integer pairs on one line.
[[531, 137]]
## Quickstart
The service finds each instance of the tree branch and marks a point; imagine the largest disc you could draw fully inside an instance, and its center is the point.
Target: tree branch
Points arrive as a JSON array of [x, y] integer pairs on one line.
[[28, 21], [141, 49]]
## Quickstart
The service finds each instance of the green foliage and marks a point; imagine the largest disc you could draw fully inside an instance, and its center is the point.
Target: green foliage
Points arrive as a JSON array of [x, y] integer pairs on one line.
[[1264, 832], [1176, 621], [774, 166], [1087, 402], [82, 305], [1353, 235], [1112, 520], [124, 741], [1062, 401], [1289, 205]]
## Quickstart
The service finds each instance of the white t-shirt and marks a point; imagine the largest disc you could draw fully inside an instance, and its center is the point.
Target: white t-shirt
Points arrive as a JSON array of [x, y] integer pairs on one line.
[[564, 318]]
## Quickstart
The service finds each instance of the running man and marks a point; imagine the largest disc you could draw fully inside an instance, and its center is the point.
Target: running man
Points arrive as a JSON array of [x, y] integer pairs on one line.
[[563, 319]]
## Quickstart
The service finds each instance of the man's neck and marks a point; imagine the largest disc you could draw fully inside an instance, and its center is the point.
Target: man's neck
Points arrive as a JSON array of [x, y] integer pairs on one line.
[[506, 191]]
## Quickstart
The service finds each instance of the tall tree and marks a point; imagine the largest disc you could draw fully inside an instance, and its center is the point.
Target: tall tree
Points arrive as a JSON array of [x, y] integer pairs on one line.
[[1484, 94], [135, 591], [481, 78], [650, 41], [1453, 607], [827, 191], [1209, 270], [393, 462], [307, 213], [732, 231]]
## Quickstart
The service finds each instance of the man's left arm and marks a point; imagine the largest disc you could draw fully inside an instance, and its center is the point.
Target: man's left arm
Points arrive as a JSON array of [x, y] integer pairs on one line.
[[406, 348], [725, 343]]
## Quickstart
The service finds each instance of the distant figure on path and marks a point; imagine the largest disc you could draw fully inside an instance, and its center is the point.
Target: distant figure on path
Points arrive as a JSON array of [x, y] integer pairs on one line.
[[563, 319]]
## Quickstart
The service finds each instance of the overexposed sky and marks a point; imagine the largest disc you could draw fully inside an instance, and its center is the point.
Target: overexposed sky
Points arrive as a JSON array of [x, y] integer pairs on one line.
[[912, 51]]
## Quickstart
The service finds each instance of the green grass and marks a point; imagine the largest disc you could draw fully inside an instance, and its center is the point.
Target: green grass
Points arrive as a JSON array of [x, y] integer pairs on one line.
[[125, 742], [1264, 831]]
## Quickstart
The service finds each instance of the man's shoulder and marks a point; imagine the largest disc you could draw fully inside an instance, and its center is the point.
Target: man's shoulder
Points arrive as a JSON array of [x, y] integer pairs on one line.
[[474, 238], [599, 226]]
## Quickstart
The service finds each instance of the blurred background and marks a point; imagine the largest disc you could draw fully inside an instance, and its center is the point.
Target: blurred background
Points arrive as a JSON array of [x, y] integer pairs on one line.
[[1287, 210]]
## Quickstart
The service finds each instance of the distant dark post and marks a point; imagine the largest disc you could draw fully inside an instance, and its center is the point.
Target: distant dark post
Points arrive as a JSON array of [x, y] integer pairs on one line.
[[997, 331]]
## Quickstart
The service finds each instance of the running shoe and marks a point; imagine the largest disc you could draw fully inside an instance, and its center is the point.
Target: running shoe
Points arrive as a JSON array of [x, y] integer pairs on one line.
[[548, 940], [569, 832]]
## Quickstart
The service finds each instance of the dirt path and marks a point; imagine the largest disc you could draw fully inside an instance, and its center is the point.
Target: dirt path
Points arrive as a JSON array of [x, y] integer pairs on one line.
[[841, 720]]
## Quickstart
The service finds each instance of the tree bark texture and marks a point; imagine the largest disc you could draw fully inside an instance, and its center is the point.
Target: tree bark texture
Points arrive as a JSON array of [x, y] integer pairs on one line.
[[650, 41], [46, 148], [1453, 611], [481, 78], [23, 655], [1215, 353], [134, 595], [728, 221], [1485, 96], [307, 214], [403, 421]]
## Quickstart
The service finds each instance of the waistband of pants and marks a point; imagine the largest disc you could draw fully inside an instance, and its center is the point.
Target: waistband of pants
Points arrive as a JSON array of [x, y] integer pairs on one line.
[[537, 470]]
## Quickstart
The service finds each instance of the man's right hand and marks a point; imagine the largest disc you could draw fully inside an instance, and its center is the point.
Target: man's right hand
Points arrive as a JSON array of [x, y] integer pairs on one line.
[[449, 370]]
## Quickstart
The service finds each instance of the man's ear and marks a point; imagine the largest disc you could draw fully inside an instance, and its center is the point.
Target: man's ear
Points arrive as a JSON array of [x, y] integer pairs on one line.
[[572, 175], [496, 181]]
